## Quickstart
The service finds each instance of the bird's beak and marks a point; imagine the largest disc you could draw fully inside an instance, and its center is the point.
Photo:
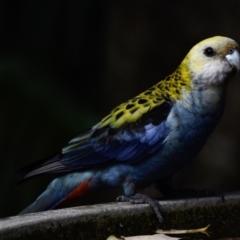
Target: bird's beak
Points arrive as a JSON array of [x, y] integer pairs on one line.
[[234, 59]]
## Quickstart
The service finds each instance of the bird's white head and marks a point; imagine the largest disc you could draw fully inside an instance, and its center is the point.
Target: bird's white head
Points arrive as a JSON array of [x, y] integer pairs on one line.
[[213, 61]]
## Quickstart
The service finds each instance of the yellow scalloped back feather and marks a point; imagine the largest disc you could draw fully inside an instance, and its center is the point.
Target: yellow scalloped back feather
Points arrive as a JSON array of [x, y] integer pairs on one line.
[[168, 89]]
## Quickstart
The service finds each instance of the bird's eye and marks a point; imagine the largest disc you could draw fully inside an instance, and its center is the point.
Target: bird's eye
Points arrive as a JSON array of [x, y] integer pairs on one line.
[[231, 50], [209, 52]]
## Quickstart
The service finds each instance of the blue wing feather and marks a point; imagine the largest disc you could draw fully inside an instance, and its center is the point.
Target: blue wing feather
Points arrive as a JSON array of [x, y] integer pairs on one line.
[[129, 144]]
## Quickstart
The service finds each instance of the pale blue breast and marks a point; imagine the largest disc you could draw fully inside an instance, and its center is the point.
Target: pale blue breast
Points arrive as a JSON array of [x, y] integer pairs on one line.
[[189, 129]]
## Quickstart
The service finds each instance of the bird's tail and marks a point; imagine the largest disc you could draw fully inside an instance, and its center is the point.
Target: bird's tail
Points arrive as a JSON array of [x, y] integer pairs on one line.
[[61, 190], [51, 164]]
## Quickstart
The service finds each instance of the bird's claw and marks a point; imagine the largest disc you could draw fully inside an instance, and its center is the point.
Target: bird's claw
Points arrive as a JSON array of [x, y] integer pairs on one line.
[[212, 193], [141, 198]]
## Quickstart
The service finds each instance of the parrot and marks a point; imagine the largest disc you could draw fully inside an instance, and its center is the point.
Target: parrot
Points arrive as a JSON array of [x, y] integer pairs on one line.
[[146, 139]]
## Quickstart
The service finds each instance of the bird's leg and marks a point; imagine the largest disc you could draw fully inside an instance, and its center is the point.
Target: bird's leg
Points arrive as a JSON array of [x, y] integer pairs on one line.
[[164, 186], [138, 198]]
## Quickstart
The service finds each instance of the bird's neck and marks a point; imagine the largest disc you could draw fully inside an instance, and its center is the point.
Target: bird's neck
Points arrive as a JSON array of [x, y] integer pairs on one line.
[[181, 87], [173, 86]]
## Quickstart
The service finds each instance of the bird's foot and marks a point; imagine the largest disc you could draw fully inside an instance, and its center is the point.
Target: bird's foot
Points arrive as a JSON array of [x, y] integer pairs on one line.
[[141, 198], [193, 193]]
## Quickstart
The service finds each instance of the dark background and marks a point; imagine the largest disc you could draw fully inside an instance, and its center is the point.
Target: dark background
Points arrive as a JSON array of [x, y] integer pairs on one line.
[[65, 64]]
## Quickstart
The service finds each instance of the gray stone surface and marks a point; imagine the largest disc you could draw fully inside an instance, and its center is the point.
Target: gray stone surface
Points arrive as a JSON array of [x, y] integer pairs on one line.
[[100, 221]]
